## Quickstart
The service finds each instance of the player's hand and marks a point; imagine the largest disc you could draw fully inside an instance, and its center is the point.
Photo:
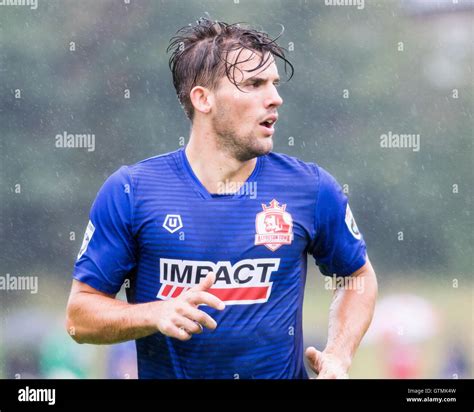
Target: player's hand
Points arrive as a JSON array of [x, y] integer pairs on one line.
[[180, 317], [326, 365]]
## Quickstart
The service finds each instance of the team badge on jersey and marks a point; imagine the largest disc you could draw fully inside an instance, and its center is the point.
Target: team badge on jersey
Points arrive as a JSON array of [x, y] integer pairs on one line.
[[351, 223], [274, 226]]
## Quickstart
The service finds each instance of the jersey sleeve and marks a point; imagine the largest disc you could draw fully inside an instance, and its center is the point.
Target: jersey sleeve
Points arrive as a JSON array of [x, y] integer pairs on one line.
[[338, 247], [108, 251]]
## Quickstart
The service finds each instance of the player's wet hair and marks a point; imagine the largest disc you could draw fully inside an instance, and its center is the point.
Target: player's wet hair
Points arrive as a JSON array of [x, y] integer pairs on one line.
[[200, 52]]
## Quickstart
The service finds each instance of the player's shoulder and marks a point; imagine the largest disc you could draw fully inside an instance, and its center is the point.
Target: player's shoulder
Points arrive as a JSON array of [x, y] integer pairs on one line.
[[281, 163], [152, 167], [149, 169], [154, 161], [290, 165]]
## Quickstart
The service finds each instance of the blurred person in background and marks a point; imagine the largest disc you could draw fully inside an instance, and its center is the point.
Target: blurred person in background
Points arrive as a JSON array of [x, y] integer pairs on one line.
[[402, 324]]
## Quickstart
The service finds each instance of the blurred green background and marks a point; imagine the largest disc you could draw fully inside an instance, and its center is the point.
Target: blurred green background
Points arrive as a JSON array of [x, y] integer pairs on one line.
[[100, 67]]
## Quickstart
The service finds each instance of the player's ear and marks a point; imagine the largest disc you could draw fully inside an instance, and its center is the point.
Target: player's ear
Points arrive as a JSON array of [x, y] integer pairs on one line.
[[202, 99]]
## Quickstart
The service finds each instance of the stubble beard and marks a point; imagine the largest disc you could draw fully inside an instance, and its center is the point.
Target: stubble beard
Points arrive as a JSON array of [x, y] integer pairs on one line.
[[242, 148]]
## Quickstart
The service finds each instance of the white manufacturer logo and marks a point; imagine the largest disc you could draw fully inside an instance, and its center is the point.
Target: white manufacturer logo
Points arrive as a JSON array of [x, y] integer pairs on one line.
[[173, 223], [87, 238]]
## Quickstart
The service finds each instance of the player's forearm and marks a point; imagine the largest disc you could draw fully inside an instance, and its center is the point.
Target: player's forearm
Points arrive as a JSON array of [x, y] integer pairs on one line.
[[103, 320], [350, 316]]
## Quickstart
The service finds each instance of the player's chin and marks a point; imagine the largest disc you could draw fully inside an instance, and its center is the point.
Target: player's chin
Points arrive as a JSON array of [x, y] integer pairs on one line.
[[266, 145]]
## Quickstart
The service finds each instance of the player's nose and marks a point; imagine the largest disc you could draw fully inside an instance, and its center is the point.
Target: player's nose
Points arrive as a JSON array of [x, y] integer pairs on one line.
[[273, 99]]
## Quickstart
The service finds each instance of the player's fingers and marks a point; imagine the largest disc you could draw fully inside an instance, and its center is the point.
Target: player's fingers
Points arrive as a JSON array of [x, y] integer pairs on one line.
[[325, 374], [206, 283], [332, 374], [313, 355], [176, 332], [189, 326], [206, 298], [201, 317], [183, 334], [322, 376]]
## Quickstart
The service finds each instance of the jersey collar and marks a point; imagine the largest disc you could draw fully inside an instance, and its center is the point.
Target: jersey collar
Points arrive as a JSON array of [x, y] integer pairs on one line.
[[193, 179]]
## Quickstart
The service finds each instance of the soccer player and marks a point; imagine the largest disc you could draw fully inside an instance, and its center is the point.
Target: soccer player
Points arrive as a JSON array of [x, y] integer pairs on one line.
[[214, 238]]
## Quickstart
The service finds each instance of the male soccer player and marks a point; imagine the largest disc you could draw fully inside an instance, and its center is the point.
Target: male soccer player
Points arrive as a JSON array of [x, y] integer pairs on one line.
[[217, 276]]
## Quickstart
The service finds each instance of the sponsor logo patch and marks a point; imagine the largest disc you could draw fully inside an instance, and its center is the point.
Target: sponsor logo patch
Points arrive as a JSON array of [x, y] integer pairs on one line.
[[244, 282]]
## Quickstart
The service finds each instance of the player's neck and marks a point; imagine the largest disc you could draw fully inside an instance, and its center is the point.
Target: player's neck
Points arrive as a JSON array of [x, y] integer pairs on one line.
[[214, 167]]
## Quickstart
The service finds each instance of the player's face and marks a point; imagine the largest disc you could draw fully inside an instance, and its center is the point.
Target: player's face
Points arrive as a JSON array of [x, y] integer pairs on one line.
[[243, 120]]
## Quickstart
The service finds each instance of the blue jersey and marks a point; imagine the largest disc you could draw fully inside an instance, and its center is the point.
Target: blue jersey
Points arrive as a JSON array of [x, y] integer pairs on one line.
[[155, 224]]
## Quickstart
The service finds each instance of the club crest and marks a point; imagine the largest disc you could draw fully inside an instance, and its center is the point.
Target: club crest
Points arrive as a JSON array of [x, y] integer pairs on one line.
[[274, 226]]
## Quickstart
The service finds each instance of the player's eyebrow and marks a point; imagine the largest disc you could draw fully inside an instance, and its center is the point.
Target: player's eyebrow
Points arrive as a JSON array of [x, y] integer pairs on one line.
[[257, 79]]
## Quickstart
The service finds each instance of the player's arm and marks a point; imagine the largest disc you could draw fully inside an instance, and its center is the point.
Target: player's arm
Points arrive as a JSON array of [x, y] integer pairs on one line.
[[99, 318], [349, 318]]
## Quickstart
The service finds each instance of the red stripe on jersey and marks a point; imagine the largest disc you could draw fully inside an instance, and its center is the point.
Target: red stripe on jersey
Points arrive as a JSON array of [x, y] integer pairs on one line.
[[177, 291], [166, 290], [251, 293]]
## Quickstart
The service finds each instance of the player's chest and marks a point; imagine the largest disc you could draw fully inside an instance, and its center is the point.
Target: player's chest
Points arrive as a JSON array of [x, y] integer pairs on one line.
[[268, 225]]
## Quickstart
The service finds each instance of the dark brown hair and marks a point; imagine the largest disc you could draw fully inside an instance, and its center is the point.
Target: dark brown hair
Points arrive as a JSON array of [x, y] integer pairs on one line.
[[199, 55]]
